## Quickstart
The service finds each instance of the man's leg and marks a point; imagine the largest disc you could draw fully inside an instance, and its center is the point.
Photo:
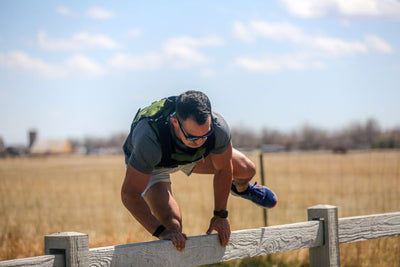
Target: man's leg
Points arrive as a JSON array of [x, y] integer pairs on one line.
[[166, 210], [163, 205], [243, 169]]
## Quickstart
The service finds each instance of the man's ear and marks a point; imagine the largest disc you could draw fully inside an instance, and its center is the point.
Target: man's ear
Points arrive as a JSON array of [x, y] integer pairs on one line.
[[174, 121]]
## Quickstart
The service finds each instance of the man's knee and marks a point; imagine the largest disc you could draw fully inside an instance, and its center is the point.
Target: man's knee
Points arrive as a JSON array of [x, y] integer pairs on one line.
[[250, 168], [171, 220], [243, 167]]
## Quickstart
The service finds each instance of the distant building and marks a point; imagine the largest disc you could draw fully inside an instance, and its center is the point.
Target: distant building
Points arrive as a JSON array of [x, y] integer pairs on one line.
[[2, 148], [36, 146], [39, 146], [47, 146], [32, 136]]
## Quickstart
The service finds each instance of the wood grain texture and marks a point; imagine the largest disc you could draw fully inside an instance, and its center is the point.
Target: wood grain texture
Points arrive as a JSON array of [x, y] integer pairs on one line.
[[207, 249], [41, 261], [360, 228]]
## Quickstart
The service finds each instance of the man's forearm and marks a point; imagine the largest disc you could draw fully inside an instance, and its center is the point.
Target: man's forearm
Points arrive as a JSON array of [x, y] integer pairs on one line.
[[222, 187]]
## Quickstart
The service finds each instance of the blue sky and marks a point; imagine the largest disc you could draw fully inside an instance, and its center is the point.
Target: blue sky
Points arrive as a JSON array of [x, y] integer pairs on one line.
[[83, 68]]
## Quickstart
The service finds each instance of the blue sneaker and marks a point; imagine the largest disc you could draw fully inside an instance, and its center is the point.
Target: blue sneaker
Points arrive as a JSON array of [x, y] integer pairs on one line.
[[260, 195]]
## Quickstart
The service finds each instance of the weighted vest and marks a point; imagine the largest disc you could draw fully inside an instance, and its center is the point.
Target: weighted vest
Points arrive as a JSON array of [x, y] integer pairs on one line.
[[158, 115]]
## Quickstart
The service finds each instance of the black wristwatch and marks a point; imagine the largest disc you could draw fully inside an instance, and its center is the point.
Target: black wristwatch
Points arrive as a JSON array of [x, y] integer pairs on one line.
[[221, 214]]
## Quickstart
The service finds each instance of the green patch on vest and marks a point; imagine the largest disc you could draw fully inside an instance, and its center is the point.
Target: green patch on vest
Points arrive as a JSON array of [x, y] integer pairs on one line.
[[182, 156], [155, 111]]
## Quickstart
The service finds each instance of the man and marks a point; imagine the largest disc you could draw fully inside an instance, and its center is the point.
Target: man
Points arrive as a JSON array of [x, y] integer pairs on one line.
[[183, 133]]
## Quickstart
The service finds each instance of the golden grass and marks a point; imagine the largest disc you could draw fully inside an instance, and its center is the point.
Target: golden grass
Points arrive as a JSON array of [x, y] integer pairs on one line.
[[41, 196]]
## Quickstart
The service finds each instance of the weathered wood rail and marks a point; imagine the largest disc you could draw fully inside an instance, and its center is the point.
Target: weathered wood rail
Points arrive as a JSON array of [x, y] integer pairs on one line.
[[322, 234]]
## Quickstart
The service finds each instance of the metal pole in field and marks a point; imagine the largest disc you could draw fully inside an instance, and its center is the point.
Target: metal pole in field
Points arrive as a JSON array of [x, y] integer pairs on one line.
[[265, 215]]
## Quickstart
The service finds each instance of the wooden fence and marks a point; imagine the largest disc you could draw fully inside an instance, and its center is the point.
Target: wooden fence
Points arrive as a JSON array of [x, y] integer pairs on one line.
[[322, 234]]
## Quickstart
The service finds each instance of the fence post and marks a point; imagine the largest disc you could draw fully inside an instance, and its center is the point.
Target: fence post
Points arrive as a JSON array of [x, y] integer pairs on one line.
[[326, 255], [74, 246], [261, 158]]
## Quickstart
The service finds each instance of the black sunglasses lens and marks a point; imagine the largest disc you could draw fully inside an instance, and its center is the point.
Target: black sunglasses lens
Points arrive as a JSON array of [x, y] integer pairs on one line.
[[194, 138]]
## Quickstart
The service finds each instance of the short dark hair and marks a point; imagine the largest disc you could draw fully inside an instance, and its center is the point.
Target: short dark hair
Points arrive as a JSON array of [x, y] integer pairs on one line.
[[193, 104]]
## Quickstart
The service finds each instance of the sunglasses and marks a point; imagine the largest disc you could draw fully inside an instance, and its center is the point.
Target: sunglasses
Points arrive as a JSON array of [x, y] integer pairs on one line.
[[192, 137]]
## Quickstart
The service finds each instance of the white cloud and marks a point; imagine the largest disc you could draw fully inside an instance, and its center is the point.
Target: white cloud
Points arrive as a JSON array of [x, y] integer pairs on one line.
[[276, 63], [278, 31], [180, 52], [336, 46], [181, 55], [99, 13], [321, 8], [22, 61], [83, 64], [78, 41], [64, 11], [242, 32], [316, 48], [376, 43], [93, 12], [208, 73], [275, 31], [285, 32], [147, 61], [135, 33], [77, 64], [196, 42]]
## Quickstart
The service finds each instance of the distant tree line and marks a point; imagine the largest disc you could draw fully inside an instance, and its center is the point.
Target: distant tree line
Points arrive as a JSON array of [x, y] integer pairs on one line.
[[356, 135]]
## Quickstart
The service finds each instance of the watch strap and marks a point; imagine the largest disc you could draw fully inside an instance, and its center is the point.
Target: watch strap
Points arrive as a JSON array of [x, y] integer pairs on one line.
[[161, 228], [221, 213]]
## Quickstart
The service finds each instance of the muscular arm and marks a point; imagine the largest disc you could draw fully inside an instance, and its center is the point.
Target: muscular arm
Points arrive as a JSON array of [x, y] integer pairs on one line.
[[222, 178], [134, 184], [222, 184]]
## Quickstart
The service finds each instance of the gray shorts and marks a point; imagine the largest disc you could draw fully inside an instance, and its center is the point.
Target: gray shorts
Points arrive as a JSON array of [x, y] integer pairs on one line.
[[162, 175]]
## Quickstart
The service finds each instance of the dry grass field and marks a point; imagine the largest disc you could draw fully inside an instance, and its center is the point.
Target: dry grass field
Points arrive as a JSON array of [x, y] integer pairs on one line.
[[41, 196]]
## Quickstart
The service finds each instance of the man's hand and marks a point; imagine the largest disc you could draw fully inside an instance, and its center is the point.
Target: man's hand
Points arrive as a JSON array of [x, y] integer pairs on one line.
[[178, 238], [222, 227]]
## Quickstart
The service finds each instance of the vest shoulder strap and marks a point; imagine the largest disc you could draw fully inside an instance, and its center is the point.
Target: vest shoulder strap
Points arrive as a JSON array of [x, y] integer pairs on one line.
[[157, 110]]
